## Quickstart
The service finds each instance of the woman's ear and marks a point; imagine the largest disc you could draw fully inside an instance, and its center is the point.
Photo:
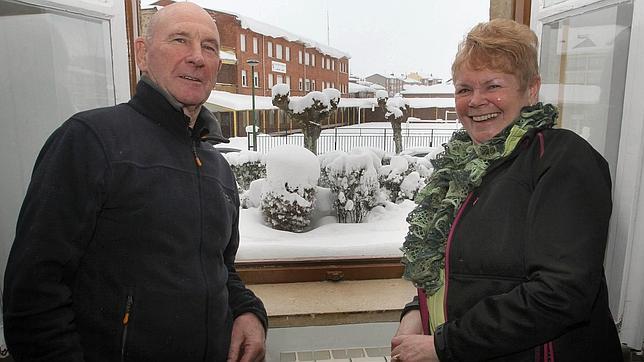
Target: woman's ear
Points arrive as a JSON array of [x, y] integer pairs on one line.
[[534, 90]]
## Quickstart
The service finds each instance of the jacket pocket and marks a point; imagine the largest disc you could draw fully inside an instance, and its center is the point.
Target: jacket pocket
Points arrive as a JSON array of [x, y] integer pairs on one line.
[[127, 315]]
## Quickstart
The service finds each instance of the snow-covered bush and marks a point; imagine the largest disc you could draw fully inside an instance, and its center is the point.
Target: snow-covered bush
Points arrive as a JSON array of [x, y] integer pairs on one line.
[[354, 181], [404, 177], [247, 166], [287, 198]]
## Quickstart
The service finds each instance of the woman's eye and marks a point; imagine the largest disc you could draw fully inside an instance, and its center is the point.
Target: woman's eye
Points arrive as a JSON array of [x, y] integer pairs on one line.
[[462, 91]]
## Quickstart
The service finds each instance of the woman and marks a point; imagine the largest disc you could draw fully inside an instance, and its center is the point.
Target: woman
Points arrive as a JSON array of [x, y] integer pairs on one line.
[[507, 242]]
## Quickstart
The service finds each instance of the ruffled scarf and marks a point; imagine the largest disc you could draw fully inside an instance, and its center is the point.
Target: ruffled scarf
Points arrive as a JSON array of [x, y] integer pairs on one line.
[[457, 171]]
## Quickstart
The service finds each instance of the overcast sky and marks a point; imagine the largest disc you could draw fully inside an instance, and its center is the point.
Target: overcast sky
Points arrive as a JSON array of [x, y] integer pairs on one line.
[[381, 36]]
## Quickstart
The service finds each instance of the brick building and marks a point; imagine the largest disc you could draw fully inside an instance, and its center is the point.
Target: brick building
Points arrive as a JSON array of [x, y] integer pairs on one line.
[[283, 57]]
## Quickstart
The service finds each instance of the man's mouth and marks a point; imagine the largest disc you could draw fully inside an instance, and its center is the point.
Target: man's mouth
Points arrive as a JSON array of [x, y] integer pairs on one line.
[[187, 77], [484, 117]]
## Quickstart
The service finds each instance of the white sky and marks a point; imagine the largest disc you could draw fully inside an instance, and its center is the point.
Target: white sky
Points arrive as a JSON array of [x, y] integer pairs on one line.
[[381, 36]]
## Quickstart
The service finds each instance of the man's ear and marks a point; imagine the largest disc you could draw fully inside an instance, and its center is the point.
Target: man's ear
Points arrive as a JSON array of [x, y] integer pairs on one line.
[[140, 52]]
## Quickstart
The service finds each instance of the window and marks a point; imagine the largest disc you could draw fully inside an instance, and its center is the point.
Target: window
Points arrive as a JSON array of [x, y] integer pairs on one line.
[[256, 79], [280, 79], [307, 85], [255, 45], [288, 54], [270, 80], [269, 48], [242, 42], [244, 81], [299, 56], [313, 60], [333, 65], [328, 63], [307, 58], [278, 51], [288, 80], [312, 84], [299, 85]]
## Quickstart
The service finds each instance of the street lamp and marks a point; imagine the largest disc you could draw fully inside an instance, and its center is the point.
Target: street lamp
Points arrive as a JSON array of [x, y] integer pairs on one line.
[[253, 63]]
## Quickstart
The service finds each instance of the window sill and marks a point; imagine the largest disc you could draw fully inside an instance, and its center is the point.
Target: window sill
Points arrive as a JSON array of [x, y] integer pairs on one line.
[[334, 303]]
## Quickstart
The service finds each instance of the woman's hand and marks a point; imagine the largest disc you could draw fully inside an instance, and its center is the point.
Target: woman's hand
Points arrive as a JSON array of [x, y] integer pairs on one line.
[[411, 323], [412, 348]]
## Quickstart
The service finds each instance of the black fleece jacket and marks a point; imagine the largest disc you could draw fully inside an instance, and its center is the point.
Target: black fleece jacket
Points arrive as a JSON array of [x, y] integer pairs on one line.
[[126, 242], [525, 280]]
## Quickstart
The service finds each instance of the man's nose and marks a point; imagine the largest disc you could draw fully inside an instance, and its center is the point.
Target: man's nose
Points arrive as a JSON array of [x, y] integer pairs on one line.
[[196, 55]]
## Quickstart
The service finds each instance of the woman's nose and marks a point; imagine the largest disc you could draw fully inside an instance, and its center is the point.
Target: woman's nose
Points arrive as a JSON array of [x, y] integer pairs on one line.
[[477, 99]]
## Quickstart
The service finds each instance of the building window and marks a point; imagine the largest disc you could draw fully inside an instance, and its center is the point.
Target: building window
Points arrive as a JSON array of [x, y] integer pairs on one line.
[[242, 42], [256, 79], [270, 80], [313, 85], [269, 46], [333, 65], [288, 54], [300, 56], [307, 85], [255, 46], [328, 63], [313, 60], [288, 81], [280, 79], [299, 85], [307, 58], [244, 79], [278, 51]]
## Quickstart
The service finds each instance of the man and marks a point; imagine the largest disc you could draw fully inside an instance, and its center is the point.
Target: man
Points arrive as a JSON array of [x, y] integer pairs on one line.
[[127, 237]]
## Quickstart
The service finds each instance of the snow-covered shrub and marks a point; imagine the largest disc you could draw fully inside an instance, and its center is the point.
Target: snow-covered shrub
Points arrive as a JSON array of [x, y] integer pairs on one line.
[[288, 194], [247, 166], [404, 176], [325, 159], [252, 196], [392, 175], [354, 181]]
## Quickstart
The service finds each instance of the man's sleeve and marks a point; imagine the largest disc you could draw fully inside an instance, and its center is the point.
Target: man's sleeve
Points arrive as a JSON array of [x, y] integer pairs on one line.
[[241, 299], [55, 224]]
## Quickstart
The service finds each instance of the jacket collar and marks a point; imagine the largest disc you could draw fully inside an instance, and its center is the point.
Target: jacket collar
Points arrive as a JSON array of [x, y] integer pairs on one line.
[[166, 111]]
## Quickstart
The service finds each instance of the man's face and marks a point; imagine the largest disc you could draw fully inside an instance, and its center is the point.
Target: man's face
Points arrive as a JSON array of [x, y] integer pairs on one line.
[[182, 55]]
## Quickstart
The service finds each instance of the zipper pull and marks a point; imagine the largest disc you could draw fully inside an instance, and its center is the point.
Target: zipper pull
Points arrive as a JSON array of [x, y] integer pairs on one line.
[[128, 309], [194, 153]]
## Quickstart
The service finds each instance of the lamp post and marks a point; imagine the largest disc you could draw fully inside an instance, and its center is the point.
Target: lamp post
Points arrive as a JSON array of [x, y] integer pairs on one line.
[[253, 63]]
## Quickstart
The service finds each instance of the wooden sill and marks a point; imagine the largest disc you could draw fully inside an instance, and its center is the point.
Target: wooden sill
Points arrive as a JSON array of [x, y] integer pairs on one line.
[[334, 303], [315, 270]]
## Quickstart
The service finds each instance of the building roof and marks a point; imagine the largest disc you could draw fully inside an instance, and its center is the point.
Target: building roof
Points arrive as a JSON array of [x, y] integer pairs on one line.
[[442, 88]]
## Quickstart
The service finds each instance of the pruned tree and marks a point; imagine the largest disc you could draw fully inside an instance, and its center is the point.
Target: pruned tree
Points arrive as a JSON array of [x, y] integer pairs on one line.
[[309, 112], [396, 112]]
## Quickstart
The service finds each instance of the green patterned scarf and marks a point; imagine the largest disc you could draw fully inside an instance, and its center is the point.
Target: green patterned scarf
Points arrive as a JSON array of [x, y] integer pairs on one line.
[[457, 171]]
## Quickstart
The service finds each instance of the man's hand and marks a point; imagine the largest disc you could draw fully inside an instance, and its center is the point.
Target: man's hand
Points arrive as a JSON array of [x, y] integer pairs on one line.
[[412, 348], [247, 341]]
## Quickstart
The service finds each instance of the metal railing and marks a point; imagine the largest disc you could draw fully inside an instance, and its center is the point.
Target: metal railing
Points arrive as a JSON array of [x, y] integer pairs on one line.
[[348, 139]]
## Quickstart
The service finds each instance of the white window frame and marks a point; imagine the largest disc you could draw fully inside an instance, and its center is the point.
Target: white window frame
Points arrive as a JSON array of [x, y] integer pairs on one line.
[[255, 45], [307, 85], [278, 51], [288, 54], [280, 79], [242, 42], [312, 60], [625, 250], [269, 48], [244, 78], [288, 81], [300, 85], [307, 58], [299, 56], [256, 79], [312, 84], [270, 80]]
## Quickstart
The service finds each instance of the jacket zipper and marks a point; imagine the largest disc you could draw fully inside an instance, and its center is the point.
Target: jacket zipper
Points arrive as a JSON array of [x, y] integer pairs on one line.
[[447, 250], [198, 164], [126, 322], [548, 352]]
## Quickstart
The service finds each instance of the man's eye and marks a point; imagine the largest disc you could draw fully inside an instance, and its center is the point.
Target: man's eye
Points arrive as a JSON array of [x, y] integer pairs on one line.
[[179, 40], [210, 48]]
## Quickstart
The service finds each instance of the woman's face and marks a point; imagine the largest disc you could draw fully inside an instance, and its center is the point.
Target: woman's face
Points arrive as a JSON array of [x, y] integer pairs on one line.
[[488, 101]]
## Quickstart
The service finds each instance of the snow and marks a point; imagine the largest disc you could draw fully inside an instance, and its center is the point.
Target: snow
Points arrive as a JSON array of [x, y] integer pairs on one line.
[[381, 233], [292, 164], [281, 89], [442, 88]]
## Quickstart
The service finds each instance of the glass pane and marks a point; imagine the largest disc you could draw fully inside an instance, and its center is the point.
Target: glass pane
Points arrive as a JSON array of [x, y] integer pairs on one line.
[[54, 65], [583, 69]]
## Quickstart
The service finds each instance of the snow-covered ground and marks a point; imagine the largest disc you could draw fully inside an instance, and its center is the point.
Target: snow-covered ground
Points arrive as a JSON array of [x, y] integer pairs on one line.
[[380, 234]]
